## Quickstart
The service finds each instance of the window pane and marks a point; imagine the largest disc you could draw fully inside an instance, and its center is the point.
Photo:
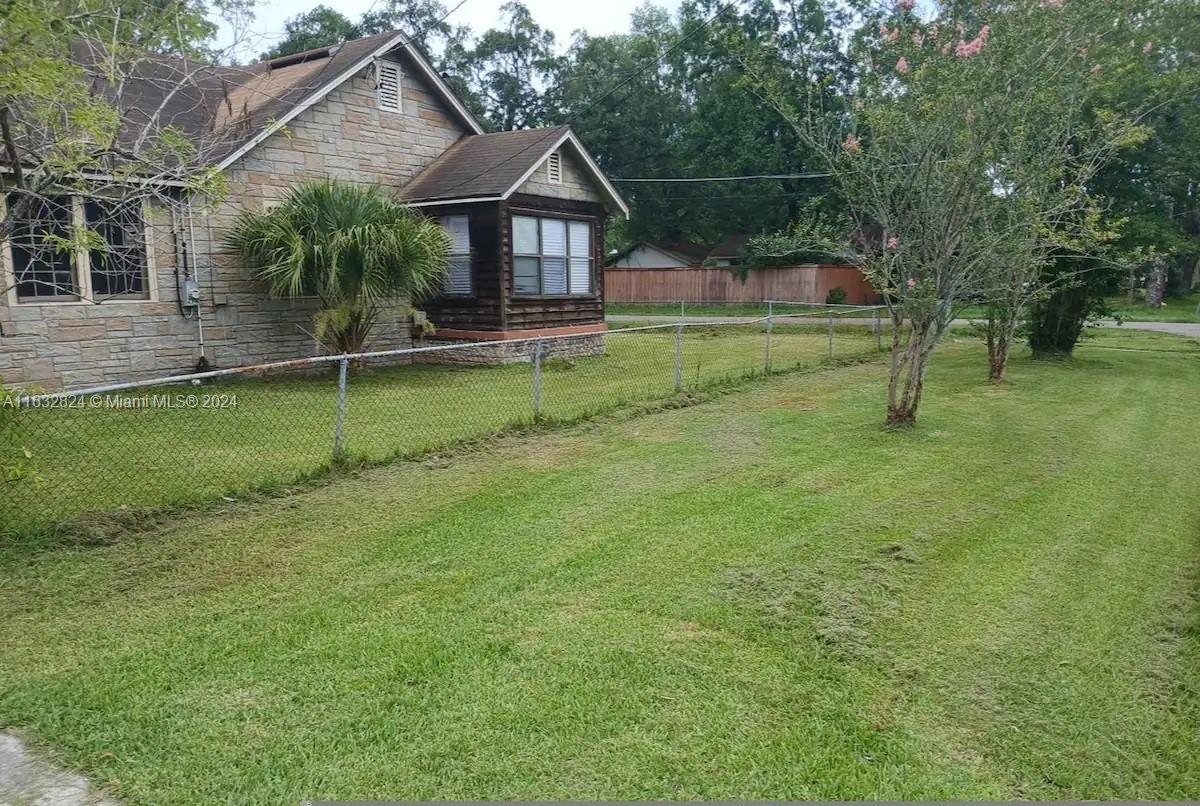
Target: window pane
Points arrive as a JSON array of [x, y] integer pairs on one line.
[[581, 275], [459, 228], [41, 267], [457, 279], [525, 275], [554, 237], [581, 239], [525, 235], [554, 275], [120, 268]]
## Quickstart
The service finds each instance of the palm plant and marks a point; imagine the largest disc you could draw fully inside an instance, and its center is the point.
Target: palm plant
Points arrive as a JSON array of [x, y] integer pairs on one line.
[[353, 247]]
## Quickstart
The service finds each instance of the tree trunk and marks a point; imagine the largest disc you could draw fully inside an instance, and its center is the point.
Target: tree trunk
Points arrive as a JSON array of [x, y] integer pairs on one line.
[[1156, 283], [1001, 333], [906, 380]]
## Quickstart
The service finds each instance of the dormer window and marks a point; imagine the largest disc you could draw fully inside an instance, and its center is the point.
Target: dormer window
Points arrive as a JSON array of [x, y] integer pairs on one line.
[[554, 168], [387, 86]]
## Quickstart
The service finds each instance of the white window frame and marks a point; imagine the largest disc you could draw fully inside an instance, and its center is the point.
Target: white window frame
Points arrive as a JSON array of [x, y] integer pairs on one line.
[[541, 256], [82, 265], [554, 167], [459, 253], [385, 102]]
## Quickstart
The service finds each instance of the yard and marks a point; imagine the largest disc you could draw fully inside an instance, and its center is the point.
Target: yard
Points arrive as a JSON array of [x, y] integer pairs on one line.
[[762, 596], [282, 428]]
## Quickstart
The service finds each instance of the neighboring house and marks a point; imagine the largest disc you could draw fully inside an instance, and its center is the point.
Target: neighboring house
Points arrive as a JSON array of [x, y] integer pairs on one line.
[[656, 255], [526, 211], [729, 252]]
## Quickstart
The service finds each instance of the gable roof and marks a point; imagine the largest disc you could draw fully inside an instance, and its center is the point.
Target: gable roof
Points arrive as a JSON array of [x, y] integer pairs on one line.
[[686, 252], [227, 110], [491, 167], [733, 246]]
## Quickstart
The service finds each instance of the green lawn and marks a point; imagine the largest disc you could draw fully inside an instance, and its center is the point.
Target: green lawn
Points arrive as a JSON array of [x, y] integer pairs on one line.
[[742, 309], [1174, 309], [283, 428], [763, 596]]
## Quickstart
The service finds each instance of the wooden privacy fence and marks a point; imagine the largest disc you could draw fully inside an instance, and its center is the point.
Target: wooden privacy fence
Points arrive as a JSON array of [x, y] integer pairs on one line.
[[809, 283]]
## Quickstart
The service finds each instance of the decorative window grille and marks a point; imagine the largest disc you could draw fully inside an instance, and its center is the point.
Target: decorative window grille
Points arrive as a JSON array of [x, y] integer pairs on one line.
[[46, 268]]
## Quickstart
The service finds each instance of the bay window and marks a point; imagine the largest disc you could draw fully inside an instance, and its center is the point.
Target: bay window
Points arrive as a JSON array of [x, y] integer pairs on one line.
[[551, 256]]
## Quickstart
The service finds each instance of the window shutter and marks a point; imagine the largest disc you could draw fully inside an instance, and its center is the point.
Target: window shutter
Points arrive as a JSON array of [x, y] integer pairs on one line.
[[554, 168], [388, 86]]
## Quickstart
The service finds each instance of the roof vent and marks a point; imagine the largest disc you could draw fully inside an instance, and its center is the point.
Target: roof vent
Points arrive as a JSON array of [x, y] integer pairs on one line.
[[387, 86], [554, 168], [300, 58]]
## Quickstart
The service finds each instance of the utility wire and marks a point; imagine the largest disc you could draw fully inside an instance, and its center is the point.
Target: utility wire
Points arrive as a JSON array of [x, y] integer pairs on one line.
[[725, 178]]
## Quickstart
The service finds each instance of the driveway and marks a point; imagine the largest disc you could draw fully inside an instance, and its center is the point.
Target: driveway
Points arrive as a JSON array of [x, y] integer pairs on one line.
[[1189, 329]]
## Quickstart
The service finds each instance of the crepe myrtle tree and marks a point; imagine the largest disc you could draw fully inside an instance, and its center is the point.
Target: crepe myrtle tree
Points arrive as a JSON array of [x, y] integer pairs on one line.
[[352, 247], [931, 159]]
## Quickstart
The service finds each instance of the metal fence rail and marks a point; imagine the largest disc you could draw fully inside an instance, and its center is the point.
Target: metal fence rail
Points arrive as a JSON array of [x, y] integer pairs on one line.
[[184, 439]]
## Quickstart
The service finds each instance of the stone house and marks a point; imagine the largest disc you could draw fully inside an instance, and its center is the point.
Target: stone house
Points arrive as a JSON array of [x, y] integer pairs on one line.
[[526, 211]]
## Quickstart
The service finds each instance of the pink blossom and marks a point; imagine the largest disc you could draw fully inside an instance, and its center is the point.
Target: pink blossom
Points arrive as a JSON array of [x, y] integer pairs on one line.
[[852, 145], [1096, 69], [1053, 3], [893, 244], [902, 66], [912, 283], [966, 50], [906, 5], [1148, 49]]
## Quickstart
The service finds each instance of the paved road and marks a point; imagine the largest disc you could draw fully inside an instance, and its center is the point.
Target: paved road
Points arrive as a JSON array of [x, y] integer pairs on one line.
[[1190, 329]]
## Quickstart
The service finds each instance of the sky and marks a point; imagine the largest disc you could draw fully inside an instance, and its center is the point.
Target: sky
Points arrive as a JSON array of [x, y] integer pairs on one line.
[[597, 17]]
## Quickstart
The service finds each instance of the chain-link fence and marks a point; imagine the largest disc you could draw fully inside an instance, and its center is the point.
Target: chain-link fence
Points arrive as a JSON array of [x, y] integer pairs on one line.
[[193, 438]]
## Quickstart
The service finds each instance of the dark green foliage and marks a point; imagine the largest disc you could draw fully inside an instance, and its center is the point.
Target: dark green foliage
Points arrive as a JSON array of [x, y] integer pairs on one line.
[[836, 296], [1057, 321]]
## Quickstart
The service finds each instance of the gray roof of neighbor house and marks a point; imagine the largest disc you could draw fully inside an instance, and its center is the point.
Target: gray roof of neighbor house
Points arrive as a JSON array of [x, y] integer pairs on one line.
[[494, 166], [689, 254], [223, 110], [733, 246]]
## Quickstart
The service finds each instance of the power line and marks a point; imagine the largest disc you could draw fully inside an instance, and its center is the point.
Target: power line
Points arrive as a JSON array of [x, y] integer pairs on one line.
[[725, 178]]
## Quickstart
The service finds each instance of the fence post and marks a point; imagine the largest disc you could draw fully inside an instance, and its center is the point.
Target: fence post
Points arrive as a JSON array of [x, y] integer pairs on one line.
[[537, 380], [678, 356], [831, 332], [770, 319], [878, 331], [339, 426], [682, 315]]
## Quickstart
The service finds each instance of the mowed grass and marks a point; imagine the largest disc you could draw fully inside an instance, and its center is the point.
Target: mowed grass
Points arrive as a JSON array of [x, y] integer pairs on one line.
[[282, 428], [1174, 309], [763, 596]]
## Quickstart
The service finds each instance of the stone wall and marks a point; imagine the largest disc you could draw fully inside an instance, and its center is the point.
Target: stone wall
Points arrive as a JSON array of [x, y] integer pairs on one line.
[[496, 353], [344, 136], [575, 185]]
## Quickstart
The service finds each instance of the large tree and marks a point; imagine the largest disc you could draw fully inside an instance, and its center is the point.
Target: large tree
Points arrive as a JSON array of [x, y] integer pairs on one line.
[[943, 174]]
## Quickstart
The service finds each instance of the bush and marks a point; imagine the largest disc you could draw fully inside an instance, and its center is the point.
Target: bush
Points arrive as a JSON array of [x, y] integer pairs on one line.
[[836, 296]]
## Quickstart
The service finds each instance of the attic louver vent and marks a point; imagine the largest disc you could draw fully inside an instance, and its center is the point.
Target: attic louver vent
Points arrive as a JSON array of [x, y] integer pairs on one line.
[[388, 86], [554, 168]]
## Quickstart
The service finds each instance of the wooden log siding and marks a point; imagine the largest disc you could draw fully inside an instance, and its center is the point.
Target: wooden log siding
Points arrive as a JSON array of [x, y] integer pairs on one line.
[[809, 283]]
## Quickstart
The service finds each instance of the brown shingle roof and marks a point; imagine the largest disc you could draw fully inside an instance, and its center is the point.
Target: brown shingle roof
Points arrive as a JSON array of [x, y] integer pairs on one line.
[[482, 165]]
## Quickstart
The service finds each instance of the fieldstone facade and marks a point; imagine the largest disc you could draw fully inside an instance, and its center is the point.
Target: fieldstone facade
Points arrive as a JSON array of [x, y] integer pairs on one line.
[[71, 345]]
